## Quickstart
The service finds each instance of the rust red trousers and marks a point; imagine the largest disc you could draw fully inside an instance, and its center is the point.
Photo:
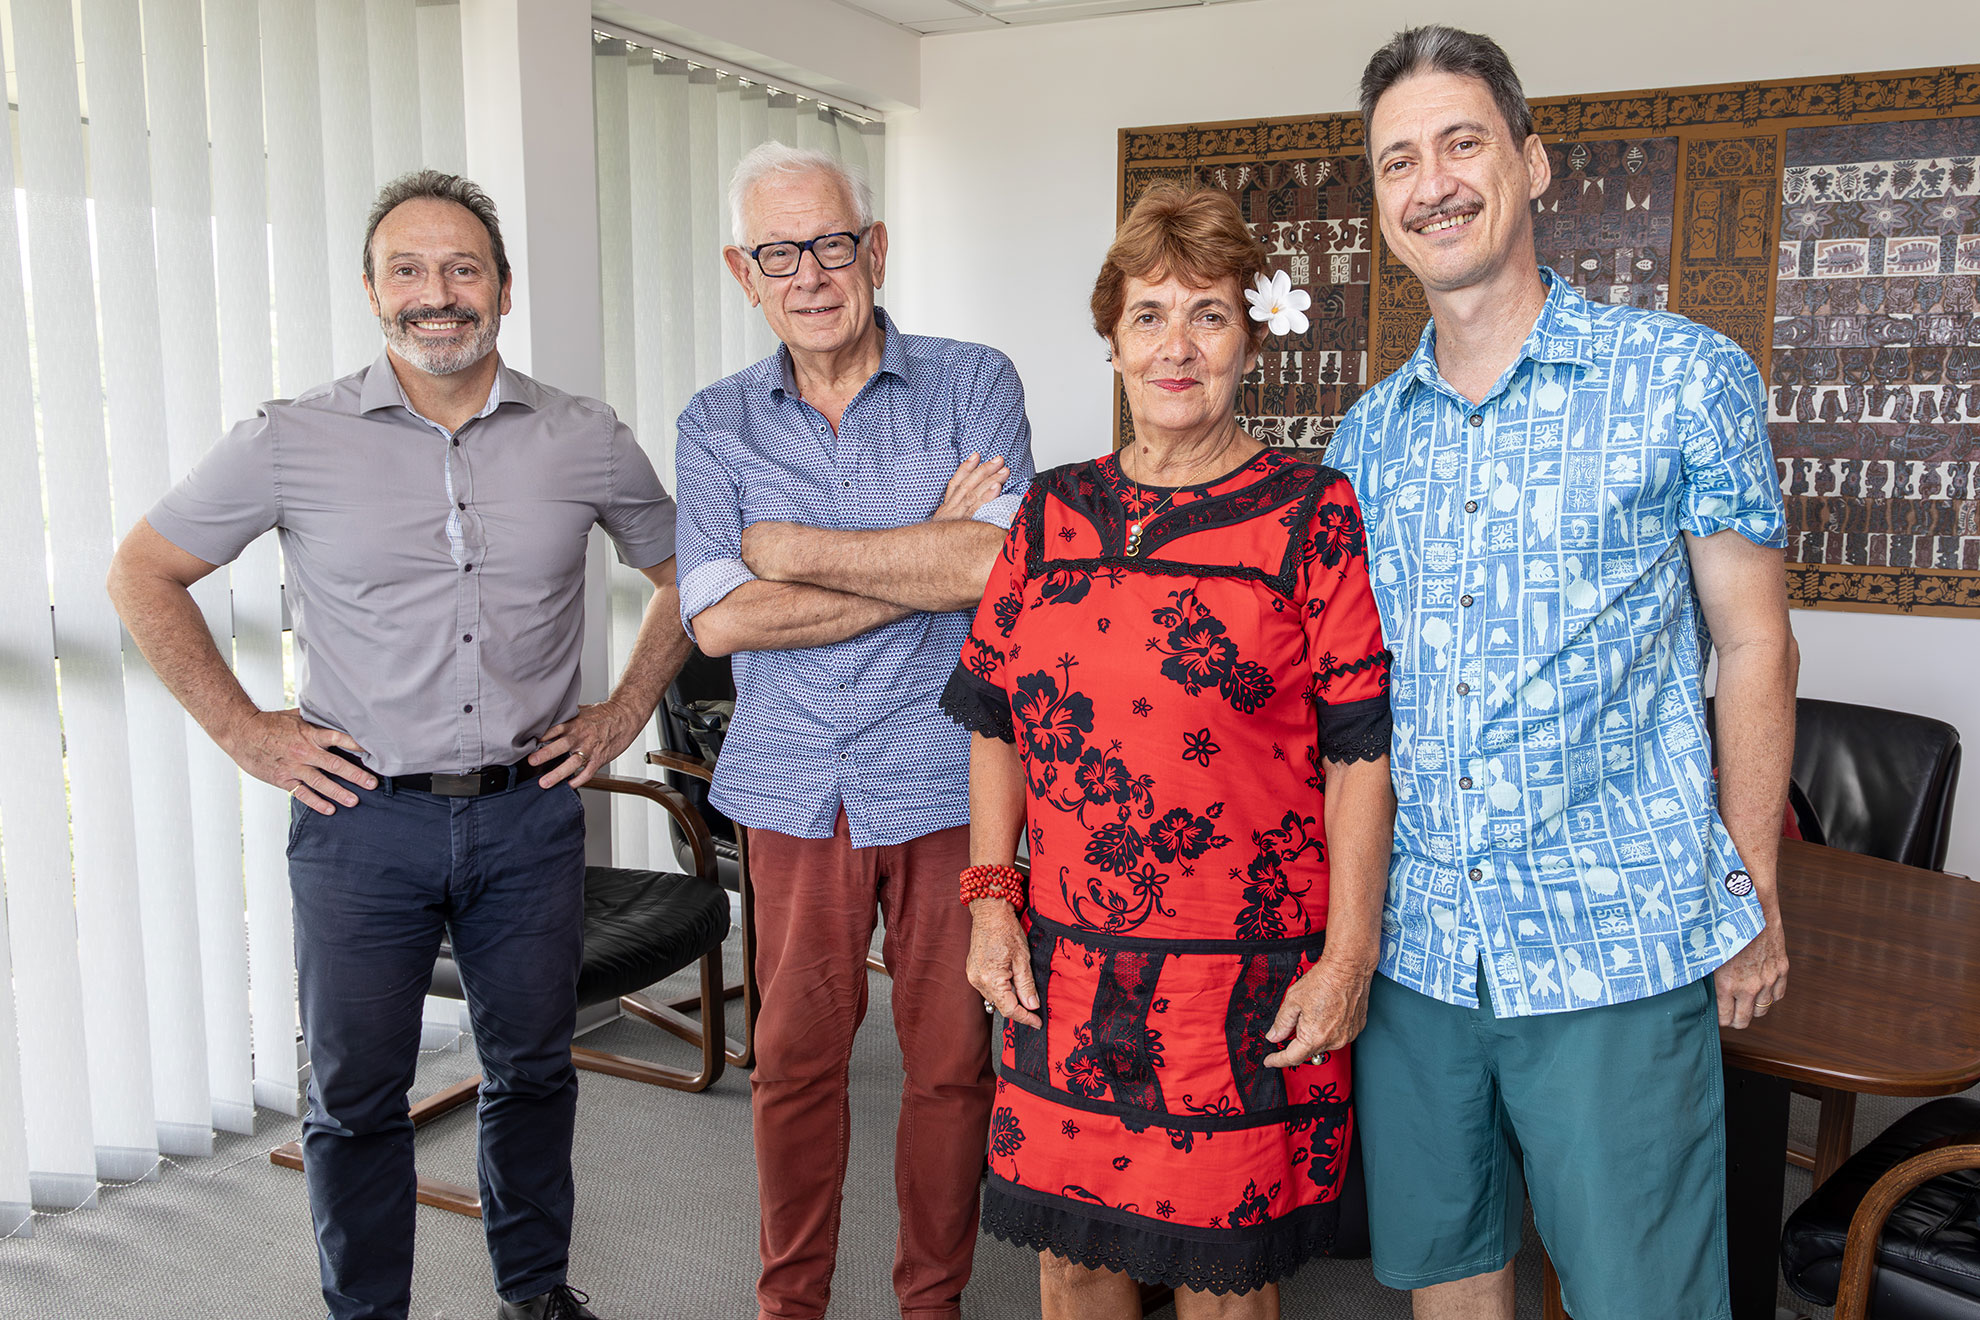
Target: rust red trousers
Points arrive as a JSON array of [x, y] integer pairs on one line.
[[815, 905]]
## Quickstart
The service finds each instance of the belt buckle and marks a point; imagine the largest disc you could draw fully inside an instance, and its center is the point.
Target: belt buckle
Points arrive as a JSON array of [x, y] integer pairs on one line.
[[457, 785]]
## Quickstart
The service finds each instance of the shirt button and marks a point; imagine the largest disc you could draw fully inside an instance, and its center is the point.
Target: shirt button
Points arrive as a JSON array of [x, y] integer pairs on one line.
[[467, 637], [1465, 601], [842, 687], [457, 443], [845, 485], [461, 505], [469, 707], [1470, 506], [1464, 689], [1477, 874], [467, 568], [842, 756], [1477, 419], [1465, 783]]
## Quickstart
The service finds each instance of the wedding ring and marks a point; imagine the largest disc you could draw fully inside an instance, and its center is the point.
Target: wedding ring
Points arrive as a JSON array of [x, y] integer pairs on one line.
[[579, 754], [297, 789]]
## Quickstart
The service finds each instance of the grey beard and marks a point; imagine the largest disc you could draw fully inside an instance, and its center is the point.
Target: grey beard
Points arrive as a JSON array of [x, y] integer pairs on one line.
[[441, 359]]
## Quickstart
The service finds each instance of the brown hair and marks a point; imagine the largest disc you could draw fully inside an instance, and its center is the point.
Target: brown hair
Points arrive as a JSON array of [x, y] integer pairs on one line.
[[436, 186], [1193, 234], [1435, 48]]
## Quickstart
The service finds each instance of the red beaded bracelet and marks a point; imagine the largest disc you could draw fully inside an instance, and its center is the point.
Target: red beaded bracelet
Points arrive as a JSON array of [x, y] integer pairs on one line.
[[1005, 882]]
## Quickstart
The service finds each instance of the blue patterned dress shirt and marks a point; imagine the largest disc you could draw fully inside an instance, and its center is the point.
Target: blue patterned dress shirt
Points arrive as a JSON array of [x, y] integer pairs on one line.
[[853, 723], [1557, 822]]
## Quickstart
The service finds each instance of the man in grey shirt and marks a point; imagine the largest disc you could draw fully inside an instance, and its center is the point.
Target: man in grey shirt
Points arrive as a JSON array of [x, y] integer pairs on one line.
[[433, 510]]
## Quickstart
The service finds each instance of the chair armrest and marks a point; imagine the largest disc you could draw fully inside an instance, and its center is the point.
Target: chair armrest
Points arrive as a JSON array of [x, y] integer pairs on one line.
[[1866, 1226], [687, 765], [699, 841]]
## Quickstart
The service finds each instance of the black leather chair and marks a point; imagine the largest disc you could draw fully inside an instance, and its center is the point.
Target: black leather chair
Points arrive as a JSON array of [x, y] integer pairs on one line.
[[692, 721], [1881, 781], [1895, 1233], [1872, 781], [640, 927], [1806, 819], [693, 718]]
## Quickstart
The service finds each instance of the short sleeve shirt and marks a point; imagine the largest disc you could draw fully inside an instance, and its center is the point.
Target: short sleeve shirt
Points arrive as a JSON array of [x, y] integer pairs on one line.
[[1557, 821], [435, 581]]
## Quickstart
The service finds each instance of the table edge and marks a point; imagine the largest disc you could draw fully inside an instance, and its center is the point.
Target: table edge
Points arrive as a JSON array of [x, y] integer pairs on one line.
[[1939, 1082]]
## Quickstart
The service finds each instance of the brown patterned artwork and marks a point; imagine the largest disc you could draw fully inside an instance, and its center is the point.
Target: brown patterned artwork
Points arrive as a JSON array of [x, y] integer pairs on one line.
[[1828, 226]]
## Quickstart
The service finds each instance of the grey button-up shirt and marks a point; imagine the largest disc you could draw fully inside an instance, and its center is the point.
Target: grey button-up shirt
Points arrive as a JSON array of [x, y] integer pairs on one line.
[[435, 581]]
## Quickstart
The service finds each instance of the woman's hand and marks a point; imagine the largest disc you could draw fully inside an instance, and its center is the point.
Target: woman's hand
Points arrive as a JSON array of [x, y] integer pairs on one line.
[[1323, 1011], [1000, 960]]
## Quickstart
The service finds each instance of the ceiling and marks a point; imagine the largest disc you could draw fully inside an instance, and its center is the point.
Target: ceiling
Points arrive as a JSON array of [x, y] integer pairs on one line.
[[931, 17]]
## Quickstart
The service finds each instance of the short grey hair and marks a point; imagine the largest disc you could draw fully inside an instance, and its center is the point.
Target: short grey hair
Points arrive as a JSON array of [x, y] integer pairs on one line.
[[440, 187], [775, 157], [1435, 48]]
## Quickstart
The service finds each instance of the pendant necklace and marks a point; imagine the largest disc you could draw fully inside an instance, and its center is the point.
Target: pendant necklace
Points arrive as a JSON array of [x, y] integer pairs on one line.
[[1133, 547], [1134, 528]]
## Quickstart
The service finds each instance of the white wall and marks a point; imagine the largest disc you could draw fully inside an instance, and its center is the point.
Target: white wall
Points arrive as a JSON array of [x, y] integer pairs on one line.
[[1002, 196]]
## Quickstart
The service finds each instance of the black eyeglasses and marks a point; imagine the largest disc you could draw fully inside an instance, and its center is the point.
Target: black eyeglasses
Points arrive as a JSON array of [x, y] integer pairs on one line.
[[830, 251]]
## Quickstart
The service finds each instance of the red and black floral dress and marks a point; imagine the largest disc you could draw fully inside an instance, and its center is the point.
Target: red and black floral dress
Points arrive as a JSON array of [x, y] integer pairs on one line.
[[1172, 709]]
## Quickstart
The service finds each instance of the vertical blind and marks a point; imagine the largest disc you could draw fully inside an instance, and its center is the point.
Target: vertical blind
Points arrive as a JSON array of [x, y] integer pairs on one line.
[[669, 136], [185, 185]]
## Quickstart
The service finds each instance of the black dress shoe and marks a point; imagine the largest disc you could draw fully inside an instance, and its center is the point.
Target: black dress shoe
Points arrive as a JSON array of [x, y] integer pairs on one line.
[[562, 1302]]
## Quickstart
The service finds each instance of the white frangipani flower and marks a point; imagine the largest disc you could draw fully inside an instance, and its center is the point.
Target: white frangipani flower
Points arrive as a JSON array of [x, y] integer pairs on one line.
[[1277, 303]]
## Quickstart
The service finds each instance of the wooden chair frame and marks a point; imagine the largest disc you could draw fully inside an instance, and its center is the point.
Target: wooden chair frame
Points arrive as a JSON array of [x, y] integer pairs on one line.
[[707, 1034], [740, 1051], [1866, 1226]]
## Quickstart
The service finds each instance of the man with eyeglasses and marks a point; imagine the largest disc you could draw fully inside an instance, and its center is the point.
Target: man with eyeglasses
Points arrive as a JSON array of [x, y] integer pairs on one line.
[[842, 502]]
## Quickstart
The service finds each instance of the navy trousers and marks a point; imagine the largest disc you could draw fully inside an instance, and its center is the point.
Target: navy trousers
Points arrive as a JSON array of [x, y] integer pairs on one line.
[[375, 887]]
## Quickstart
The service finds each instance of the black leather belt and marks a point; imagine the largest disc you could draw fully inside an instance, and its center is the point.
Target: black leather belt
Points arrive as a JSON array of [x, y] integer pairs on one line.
[[475, 783]]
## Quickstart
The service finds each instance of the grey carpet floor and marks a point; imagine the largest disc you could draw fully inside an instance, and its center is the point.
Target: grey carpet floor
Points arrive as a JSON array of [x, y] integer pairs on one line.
[[666, 1223]]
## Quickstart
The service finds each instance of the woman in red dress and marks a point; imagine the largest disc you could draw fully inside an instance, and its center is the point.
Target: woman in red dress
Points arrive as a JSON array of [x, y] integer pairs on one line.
[[1179, 686]]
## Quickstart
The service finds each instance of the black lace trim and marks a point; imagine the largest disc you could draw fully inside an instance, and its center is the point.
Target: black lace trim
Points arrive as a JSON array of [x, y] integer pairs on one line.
[[978, 706], [1137, 1118], [1174, 568], [1093, 494], [1383, 659], [1282, 485], [1215, 1260], [1355, 730], [1100, 939]]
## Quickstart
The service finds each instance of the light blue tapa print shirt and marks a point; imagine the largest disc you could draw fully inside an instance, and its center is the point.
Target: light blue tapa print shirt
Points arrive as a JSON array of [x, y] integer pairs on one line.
[[1557, 821]]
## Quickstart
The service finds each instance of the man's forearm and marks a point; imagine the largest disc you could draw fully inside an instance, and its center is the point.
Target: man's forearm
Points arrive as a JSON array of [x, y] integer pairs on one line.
[[658, 653], [933, 566], [1360, 821], [165, 622], [1755, 719], [786, 616]]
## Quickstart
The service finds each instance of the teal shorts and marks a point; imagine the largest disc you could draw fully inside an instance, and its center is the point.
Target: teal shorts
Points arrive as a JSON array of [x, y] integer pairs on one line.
[[1611, 1119]]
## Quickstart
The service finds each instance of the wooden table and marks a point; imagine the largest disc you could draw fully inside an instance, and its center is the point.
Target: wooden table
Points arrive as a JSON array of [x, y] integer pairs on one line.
[[1883, 999]]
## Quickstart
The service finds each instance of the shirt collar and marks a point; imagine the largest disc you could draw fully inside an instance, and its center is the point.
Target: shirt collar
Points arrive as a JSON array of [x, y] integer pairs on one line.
[[1563, 334], [893, 358], [382, 389]]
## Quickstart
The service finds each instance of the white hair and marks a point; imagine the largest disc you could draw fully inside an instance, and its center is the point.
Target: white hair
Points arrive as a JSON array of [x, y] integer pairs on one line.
[[775, 157]]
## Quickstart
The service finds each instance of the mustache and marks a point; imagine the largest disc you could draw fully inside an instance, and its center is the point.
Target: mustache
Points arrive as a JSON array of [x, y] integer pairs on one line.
[[455, 312], [1443, 212]]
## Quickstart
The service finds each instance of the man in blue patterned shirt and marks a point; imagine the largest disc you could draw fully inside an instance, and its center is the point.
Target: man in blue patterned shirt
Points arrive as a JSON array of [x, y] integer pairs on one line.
[[1567, 503], [842, 503]]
